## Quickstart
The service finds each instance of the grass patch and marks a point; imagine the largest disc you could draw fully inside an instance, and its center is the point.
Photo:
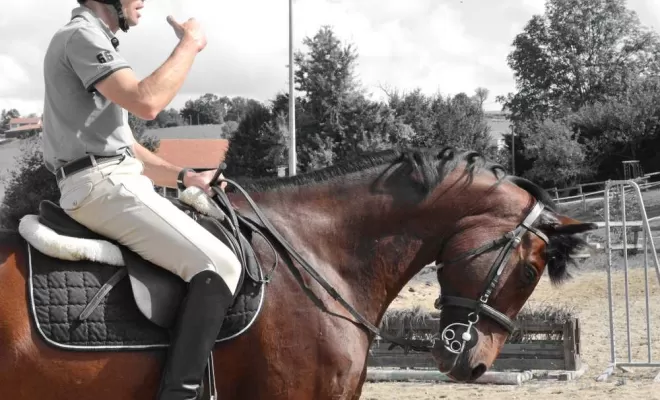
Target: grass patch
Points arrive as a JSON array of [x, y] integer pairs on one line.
[[418, 324]]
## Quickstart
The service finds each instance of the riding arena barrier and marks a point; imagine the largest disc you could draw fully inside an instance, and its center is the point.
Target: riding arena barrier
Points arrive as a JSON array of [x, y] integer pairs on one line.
[[539, 349], [638, 349]]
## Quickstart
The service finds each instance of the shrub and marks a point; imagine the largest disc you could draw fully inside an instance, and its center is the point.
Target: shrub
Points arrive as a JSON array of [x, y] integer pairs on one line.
[[26, 185]]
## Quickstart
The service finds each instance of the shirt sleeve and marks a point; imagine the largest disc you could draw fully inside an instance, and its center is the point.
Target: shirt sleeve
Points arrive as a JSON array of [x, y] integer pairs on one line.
[[92, 56]]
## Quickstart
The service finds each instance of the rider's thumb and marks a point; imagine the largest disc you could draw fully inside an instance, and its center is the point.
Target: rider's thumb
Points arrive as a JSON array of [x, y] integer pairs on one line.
[[173, 22]]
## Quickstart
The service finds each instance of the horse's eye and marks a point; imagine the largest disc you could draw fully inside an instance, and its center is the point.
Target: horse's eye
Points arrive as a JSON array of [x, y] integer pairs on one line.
[[529, 274]]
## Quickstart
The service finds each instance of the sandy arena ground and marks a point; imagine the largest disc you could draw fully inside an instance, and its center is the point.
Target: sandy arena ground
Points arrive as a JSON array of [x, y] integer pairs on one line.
[[586, 295]]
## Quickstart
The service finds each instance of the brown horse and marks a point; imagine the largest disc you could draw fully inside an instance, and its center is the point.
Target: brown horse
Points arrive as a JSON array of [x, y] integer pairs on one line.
[[367, 227]]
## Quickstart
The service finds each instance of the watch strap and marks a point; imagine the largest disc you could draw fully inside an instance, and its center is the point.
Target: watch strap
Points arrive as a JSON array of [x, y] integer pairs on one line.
[[179, 179]]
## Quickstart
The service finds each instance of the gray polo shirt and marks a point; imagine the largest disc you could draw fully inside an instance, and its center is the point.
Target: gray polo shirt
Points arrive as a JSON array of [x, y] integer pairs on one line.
[[77, 119]]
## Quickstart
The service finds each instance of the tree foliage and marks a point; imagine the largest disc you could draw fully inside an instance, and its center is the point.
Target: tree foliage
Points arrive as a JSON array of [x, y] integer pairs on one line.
[[621, 127], [205, 110], [559, 159], [437, 120], [6, 116], [29, 182], [26, 185], [139, 126], [248, 153], [166, 119], [576, 53], [325, 74]]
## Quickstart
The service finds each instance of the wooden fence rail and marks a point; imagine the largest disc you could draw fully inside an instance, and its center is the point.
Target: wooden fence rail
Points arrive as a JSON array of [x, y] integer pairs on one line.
[[586, 192], [562, 353]]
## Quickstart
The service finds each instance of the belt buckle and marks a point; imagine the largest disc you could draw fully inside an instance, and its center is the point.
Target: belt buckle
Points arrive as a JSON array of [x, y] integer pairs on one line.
[[59, 174]]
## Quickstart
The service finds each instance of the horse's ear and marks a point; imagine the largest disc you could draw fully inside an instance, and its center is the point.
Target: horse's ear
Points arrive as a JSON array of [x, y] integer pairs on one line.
[[416, 173], [556, 224], [446, 153]]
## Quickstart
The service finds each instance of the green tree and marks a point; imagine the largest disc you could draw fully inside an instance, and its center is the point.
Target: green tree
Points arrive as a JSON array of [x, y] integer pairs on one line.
[[559, 158], [236, 108], [480, 96], [139, 127], [166, 119], [277, 139], [27, 184], [6, 116], [413, 109], [370, 126], [624, 127], [312, 151], [207, 109], [576, 53], [437, 120], [325, 75], [460, 121], [248, 150]]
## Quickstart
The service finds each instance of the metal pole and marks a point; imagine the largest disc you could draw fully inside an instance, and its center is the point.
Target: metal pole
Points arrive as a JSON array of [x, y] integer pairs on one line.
[[292, 100], [608, 236], [513, 151]]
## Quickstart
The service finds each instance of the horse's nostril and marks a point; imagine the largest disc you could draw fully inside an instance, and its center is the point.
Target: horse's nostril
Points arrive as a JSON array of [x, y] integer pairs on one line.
[[477, 372]]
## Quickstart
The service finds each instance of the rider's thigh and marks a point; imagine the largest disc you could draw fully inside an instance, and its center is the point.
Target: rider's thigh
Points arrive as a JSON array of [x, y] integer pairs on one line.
[[126, 208]]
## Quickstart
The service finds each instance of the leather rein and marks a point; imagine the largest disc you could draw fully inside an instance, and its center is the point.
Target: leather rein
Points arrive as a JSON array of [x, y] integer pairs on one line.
[[509, 240]]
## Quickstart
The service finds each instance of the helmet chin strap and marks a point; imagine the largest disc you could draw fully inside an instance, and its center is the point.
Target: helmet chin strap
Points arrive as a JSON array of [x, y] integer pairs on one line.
[[123, 23]]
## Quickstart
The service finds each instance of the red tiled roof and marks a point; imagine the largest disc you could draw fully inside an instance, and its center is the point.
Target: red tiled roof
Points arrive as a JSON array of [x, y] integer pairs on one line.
[[190, 153], [25, 128], [32, 120]]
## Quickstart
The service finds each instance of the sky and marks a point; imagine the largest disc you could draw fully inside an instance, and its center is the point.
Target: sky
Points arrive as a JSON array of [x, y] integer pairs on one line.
[[445, 46]]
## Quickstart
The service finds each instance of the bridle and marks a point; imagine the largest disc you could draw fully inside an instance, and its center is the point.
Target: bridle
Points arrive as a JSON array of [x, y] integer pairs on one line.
[[457, 335], [510, 239]]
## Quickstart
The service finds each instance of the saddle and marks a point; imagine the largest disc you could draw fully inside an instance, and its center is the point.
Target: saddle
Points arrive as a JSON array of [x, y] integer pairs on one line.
[[85, 297]]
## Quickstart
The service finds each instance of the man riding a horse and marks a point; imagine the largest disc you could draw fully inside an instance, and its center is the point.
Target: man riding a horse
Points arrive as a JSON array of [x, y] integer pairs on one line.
[[98, 165]]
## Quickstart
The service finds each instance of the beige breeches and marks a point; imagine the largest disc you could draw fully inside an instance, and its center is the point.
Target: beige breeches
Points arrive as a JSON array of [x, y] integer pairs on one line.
[[117, 201]]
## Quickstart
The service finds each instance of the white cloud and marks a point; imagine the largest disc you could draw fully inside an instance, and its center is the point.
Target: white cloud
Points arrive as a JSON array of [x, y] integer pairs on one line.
[[438, 46], [536, 6], [25, 107], [650, 18], [13, 76]]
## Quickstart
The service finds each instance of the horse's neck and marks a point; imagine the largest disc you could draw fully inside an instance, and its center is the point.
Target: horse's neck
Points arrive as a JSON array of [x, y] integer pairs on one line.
[[337, 230]]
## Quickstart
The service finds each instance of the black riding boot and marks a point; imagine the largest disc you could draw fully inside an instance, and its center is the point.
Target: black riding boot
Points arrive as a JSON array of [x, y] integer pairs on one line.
[[200, 318]]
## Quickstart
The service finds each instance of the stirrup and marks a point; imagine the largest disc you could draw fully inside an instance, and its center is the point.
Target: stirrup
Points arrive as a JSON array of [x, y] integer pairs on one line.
[[209, 382]]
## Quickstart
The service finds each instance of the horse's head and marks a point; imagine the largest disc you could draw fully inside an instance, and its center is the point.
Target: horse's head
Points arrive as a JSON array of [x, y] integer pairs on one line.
[[499, 234]]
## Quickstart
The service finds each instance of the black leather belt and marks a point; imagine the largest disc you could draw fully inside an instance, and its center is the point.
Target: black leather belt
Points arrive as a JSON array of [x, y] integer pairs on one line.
[[87, 162]]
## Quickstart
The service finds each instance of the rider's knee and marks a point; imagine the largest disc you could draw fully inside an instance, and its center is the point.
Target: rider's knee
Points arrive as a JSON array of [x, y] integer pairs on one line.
[[229, 268]]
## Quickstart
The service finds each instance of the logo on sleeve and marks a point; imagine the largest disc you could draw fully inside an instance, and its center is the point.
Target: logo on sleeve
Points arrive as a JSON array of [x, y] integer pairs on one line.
[[104, 57]]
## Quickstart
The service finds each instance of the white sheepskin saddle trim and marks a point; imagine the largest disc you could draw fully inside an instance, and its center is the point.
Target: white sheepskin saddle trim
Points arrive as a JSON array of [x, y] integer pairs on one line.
[[200, 201], [70, 248]]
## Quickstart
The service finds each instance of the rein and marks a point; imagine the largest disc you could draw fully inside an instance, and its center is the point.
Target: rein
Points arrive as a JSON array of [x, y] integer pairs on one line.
[[455, 336], [223, 200]]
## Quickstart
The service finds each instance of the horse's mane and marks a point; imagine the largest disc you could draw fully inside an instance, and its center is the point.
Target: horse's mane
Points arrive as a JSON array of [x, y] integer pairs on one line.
[[9, 236], [425, 160], [434, 165]]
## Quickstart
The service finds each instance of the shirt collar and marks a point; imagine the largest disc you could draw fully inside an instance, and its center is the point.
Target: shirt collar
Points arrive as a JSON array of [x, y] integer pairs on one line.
[[88, 15]]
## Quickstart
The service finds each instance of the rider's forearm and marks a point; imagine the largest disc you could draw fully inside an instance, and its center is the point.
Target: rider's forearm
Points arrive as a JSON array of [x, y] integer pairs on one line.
[[164, 83], [154, 165]]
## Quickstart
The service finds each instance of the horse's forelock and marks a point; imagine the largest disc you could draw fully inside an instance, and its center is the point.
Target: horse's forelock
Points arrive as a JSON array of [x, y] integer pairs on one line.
[[560, 253]]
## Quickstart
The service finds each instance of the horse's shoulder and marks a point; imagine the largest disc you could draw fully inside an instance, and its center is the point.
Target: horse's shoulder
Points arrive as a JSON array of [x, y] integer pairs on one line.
[[9, 237]]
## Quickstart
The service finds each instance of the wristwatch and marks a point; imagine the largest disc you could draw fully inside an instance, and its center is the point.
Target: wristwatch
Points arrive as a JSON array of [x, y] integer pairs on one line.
[[179, 179]]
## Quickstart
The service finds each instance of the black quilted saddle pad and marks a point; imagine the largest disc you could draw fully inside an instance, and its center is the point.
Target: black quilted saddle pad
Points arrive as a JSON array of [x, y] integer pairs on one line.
[[59, 291]]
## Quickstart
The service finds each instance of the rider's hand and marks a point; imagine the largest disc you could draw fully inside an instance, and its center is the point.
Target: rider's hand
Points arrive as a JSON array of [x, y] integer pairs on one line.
[[203, 180], [190, 30]]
